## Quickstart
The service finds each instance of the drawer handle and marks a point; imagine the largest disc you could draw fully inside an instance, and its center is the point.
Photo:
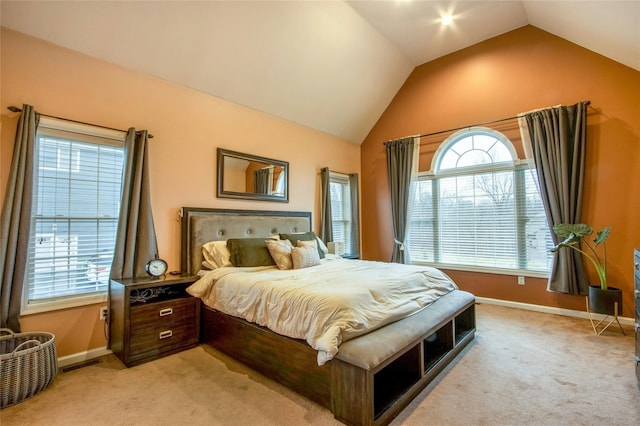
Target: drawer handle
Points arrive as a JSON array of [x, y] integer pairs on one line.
[[637, 293], [637, 326], [165, 334], [166, 311]]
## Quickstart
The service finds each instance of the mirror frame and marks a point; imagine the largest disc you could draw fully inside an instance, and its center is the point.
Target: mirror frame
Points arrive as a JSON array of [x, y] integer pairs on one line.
[[221, 193]]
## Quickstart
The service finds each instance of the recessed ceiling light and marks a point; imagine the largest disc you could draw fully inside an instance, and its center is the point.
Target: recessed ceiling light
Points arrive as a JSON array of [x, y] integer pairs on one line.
[[446, 19]]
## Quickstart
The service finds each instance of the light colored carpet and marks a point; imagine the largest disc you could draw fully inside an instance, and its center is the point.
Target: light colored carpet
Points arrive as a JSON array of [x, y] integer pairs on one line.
[[523, 368]]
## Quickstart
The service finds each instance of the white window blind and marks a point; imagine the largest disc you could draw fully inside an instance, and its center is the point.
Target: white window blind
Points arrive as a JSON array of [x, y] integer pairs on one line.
[[76, 203], [341, 210], [479, 209]]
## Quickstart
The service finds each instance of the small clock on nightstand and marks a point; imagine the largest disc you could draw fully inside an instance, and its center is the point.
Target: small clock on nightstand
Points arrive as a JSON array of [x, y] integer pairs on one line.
[[156, 267]]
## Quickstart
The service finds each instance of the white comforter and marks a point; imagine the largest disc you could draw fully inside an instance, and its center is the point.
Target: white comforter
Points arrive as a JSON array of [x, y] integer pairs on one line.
[[326, 304]]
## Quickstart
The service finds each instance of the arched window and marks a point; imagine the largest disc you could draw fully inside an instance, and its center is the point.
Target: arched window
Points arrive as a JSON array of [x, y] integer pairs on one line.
[[476, 147], [479, 208]]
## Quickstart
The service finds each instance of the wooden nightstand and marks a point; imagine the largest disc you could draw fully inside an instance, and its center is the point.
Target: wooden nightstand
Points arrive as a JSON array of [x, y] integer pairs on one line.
[[150, 318]]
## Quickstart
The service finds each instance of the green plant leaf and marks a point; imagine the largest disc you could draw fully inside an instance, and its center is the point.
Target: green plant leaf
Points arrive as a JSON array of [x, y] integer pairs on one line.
[[602, 235], [580, 230], [571, 240]]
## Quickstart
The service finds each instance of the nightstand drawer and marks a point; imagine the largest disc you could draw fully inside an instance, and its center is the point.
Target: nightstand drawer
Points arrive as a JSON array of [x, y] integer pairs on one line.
[[155, 338], [159, 325], [169, 312]]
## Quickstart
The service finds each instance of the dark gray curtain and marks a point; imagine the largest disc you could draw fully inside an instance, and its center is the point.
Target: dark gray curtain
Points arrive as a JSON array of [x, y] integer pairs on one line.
[[326, 230], [16, 220], [399, 168], [262, 181], [558, 142], [136, 237]]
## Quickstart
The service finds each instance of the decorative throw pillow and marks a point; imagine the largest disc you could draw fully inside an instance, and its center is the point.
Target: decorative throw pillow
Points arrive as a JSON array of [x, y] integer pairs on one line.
[[216, 255], [303, 236], [281, 253], [305, 256], [249, 252], [310, 243]]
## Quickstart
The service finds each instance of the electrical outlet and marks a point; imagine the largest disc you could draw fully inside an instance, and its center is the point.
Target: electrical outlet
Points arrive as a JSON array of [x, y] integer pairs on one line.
[[103, 313], [521, 280]]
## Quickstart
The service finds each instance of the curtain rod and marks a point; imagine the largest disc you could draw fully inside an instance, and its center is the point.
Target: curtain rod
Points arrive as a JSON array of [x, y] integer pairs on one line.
[[16, 109], [473, 125], [335, 171]]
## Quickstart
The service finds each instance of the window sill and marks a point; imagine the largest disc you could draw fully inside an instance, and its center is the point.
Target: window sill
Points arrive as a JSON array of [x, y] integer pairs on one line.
[[66, 303], [485, 270]]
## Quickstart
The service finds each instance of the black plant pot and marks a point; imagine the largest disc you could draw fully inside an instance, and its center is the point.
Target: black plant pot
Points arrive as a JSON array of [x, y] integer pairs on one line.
[[602, 301]]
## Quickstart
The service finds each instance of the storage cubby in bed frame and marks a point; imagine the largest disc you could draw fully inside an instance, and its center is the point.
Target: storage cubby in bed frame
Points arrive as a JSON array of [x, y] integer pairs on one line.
[[389, 387]]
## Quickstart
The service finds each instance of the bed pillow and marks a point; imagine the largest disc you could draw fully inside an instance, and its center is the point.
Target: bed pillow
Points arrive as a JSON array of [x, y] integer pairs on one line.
[[208, 266], [304, 236], [249, 252], [322, 246], [216, 255], [280, 251], [304, 256]]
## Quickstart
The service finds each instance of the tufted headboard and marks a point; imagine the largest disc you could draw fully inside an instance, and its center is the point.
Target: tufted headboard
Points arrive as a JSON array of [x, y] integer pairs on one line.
[[201, 225]]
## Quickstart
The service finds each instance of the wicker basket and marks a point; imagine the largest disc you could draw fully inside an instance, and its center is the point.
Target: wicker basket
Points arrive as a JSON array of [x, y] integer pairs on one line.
[[28, 364]]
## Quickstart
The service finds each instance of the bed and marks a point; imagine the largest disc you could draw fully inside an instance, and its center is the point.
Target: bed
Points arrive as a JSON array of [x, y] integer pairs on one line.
[[373, 376]]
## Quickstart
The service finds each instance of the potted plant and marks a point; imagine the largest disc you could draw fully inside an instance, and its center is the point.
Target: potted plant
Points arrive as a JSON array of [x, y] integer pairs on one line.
[[602, 298]]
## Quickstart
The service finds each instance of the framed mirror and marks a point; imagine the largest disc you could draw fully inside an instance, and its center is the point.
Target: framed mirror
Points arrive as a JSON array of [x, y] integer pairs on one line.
[[251, 177]]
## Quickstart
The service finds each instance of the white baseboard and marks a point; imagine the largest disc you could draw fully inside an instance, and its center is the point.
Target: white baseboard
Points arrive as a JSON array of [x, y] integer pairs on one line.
[[548, 309], [82, 356]]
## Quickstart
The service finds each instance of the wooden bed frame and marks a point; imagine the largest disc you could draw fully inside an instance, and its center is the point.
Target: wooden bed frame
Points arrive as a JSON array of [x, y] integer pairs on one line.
[[374, 376]]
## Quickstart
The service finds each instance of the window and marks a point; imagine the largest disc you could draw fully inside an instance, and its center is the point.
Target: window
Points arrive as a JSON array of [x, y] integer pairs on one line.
[[480, 208], [340, 209], [76, 203], [344, 213]]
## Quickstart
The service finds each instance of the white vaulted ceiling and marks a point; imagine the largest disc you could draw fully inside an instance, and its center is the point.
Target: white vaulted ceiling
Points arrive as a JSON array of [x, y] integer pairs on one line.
[[329, 65]]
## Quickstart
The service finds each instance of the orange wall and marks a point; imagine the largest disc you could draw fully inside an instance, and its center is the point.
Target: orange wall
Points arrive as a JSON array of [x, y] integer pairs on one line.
[[187, 126], [516, 72]]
